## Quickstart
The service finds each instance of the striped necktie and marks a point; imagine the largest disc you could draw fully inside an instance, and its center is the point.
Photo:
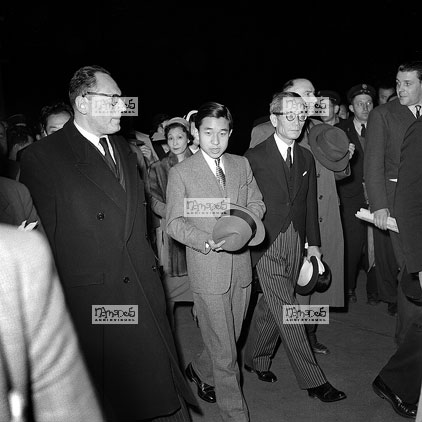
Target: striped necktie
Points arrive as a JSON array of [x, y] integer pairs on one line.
[[418, 111], [220, 174]]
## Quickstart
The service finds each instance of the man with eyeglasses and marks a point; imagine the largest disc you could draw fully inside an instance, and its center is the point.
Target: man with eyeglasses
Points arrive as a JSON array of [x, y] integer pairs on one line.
[[285, 173], [85, 183]]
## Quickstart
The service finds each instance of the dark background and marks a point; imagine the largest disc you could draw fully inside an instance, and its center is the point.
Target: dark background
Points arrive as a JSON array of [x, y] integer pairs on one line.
[[176, 56]]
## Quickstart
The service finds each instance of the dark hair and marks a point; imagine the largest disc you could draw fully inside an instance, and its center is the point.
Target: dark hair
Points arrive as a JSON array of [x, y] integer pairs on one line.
[[157, 120], [84, 79], [18, 135], [213, 109], [177, 124], [56, 108], [412, 66]]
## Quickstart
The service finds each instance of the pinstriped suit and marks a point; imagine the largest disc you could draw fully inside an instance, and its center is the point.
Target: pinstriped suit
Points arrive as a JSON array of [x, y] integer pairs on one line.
[[291, 217]]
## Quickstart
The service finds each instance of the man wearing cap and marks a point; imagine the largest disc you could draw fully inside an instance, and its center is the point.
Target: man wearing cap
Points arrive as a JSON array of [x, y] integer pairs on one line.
[[352, 194], [220, 279], [387, 126], [285, 173], [332, 106]]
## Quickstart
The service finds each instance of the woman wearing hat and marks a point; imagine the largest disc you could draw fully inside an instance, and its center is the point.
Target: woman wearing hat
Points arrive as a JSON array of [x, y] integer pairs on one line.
[[171, 253]]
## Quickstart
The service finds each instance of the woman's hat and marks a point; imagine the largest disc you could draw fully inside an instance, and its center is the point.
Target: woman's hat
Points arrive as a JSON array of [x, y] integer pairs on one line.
[[330, 146], [315, 275], [238, 226], [180, 120]]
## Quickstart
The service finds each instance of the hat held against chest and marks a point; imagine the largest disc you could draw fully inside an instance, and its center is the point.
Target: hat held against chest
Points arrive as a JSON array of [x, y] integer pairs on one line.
[[330, 146], [314, 275], [238, 226]]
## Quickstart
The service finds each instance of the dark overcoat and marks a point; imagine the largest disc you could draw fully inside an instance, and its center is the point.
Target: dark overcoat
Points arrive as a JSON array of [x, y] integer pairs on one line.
[[97, 231]]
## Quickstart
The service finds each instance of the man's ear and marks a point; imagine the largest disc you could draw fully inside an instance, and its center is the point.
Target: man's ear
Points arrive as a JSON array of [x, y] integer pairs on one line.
[[351, 108], [273, 120], [196, 133], [336, 109], [81, 104]]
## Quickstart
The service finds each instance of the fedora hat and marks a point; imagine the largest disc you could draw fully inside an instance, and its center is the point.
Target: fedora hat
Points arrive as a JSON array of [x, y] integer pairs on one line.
[[330, 146], [238, 226], [314, 275]]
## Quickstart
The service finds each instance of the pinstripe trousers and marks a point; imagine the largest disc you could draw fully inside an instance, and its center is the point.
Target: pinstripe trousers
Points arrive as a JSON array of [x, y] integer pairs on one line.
[[277, 270]]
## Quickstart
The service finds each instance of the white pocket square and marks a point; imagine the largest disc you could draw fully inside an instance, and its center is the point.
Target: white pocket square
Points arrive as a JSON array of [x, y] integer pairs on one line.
[[304, 173]]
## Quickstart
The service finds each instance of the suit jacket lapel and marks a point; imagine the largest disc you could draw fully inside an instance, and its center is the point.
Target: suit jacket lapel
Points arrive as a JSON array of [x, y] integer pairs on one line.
[[299, 169], [232, 179], [275, 164]]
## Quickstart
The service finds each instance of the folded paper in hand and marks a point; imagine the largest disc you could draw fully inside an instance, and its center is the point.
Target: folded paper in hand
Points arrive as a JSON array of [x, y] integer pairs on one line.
[[365, 215]]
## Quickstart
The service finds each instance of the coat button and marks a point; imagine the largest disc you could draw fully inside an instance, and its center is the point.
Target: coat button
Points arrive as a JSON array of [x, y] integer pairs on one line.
[[100, 216], [320, 197], [126, 280], [154, 268], [320, 219]]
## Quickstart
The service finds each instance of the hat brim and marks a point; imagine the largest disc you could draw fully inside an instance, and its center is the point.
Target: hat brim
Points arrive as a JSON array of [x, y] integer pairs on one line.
[[232, 244], [308, 288], [319, 153], [324, 280]]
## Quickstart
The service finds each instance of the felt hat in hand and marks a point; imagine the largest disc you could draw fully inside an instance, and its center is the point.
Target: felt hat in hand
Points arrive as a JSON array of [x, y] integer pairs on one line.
[[314, 275], [238, 226], [330, 146]]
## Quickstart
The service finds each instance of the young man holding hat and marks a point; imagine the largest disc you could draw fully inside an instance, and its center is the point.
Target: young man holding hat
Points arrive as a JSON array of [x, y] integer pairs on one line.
[[220, 280], [285, 173], [334, 100], [353, 197]]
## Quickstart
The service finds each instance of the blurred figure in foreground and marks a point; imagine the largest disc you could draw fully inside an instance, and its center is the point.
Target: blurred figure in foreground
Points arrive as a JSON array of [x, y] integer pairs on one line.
[[42, 373]]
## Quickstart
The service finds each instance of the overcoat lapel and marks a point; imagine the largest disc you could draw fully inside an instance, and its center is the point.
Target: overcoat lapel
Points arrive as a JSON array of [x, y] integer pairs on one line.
[[90, 163], [131, 175]]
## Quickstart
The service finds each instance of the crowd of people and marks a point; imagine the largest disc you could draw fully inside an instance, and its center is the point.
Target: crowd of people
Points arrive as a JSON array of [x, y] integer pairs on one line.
[[119, 233]]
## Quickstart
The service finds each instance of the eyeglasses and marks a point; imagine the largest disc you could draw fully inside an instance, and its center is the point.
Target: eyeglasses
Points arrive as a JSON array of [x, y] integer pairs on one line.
[[114, 97], [290, 116]]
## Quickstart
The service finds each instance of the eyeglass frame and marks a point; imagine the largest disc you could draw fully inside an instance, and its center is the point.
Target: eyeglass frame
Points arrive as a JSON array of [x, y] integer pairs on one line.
[[114, 97], [281, 113]]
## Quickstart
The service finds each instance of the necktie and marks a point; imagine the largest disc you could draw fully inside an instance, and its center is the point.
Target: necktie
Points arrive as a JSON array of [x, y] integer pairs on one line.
[[220, 174], [363, 130], [289, 158], [418, 111], [108, 158]]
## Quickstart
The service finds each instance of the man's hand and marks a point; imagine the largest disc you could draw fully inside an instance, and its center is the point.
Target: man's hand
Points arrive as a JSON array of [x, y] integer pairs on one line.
[[380, 218], [313, 251], [216, 247], [352, 148], [146, 151]]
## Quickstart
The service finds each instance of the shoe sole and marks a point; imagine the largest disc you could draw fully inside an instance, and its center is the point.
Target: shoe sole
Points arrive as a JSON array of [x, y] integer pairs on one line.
[[379, 393], [314, 396]]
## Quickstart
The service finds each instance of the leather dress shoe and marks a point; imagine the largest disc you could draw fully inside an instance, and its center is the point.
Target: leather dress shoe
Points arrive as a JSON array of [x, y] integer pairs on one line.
[[205, 391], [320, 348], [266, 376], [403, 409], [326, 392]]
